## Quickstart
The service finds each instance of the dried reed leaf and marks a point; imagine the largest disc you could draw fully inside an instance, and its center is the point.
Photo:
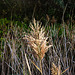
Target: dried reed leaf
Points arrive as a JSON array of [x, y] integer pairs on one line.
[[64, 70], [36, 66]]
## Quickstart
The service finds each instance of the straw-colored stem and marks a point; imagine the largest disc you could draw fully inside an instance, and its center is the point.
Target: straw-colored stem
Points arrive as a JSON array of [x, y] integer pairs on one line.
[[28, 64], [41, 66], [59, 68]]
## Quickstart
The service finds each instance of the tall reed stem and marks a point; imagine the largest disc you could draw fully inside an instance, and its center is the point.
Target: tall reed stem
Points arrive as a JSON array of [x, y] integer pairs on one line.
[[41, 66]]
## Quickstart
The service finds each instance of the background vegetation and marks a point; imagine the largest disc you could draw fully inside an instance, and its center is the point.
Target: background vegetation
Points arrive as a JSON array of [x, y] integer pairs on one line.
[[58, 19]]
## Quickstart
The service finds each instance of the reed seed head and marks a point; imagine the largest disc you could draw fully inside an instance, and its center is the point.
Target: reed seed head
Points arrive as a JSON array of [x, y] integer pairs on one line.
[[37, 40]]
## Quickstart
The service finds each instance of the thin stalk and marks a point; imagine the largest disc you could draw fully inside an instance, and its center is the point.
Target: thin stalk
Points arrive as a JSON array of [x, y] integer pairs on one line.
[[59, 68], [3, 72], [28, 64], [41, 66], [23, 63]]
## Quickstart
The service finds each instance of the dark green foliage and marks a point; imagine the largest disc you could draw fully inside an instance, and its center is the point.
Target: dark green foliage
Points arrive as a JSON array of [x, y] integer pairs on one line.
[[39, 8]]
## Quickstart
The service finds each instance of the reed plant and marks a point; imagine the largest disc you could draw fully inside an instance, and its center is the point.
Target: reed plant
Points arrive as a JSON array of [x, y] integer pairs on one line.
[[37, 41]]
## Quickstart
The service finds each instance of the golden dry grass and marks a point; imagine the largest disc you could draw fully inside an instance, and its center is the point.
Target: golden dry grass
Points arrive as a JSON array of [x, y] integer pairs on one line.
[[37, 40]]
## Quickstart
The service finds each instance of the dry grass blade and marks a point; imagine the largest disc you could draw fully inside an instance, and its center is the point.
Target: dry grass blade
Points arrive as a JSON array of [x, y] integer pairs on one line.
[[36, 66], [59, 68], [28, 64], [64, 70]]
